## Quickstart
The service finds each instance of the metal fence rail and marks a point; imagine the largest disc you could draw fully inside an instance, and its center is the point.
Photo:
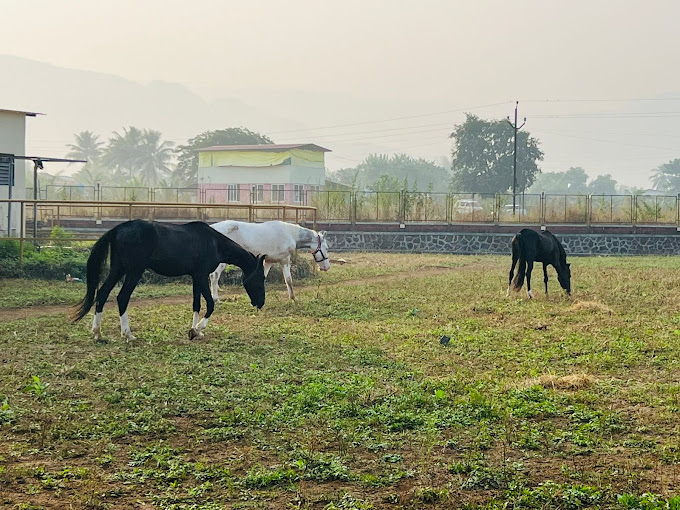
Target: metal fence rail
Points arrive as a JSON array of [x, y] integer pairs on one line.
[[37, 218], [346, 206]]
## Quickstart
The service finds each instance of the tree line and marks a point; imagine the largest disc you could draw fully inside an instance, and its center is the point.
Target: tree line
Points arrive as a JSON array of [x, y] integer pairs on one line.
[[140, 157], [482, 160]]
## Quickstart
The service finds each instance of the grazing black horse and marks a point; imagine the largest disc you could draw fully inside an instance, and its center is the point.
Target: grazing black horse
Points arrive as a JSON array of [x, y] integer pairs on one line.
[[529, 246], [192, 249]]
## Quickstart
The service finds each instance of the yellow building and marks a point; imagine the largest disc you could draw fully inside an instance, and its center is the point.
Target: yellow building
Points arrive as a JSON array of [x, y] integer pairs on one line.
[[272, 173]]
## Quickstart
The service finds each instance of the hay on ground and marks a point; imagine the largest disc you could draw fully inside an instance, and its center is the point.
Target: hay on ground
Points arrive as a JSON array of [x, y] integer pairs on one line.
[[592, 305], [567, 382]]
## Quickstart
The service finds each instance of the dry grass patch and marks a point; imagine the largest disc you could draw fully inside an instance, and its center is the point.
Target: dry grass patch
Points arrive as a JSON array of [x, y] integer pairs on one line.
[[595, 306], [573, 382]]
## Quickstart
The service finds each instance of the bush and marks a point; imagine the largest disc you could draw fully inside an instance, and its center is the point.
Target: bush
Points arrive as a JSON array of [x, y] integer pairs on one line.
[[54, 262]]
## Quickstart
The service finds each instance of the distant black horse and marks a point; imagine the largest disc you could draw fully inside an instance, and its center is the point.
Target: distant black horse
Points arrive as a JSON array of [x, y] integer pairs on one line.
[[192, 249], [529, 246]]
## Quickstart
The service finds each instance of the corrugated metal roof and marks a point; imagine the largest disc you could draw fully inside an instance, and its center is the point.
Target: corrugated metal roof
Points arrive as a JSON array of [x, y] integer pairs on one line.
[[272, 147], [29, 114]]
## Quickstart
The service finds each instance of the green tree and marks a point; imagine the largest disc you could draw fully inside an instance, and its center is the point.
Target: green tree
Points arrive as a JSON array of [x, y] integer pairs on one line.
[[123, 152], [400, 168], [87, 147], [154, 157], [574, 182], [483, 156], [602, 185], [666, 177], [186, 171]]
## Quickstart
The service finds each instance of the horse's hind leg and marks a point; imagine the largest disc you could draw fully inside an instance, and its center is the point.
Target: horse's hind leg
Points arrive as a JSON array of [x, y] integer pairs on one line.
[[288, 278], [201, 287], [545, 277], [515, 258], [131, 281], [530, 267], [115, 274], [196, 306]]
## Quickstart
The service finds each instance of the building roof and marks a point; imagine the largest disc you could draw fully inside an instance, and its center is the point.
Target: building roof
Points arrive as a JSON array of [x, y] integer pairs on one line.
[[272, 147], [28, 114]]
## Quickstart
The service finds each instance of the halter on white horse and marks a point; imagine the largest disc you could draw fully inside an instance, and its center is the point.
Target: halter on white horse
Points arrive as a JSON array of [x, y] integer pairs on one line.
[[278, 241]]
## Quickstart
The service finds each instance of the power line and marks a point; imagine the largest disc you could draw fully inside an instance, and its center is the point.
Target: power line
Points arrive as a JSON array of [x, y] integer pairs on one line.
[[392, 119]]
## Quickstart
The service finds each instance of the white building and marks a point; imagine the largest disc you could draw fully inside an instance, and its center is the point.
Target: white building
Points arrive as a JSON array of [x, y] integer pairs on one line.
[[12, 172], [270, 173]]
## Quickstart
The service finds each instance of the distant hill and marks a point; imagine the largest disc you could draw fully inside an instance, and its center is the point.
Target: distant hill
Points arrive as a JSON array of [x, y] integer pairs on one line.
[[76, 100]]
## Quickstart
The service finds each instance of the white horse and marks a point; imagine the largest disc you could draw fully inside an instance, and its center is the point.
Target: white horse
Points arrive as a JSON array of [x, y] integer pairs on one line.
[[275, 239]]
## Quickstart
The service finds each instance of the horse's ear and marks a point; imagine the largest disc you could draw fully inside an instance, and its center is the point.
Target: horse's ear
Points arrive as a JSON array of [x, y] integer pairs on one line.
[[322, 233]]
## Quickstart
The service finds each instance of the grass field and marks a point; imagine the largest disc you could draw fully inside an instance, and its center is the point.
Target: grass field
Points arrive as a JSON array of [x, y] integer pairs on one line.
[[348, 399]]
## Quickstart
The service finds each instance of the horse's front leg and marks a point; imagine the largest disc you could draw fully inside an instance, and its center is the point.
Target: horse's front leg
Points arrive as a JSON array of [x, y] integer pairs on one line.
[[201, 287], [289, 279], [545, 276], [215, 281]]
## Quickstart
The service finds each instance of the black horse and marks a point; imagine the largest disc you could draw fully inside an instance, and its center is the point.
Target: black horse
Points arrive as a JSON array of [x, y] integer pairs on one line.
[[529, 246], [192, 249]]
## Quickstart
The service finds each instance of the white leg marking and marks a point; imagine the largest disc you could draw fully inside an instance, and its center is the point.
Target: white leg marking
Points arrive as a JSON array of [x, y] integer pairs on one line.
[[125, 327], [201, 325], [508, 292], [289, 279], [195, 321], [267, 266], [97, 326], [531, 294]]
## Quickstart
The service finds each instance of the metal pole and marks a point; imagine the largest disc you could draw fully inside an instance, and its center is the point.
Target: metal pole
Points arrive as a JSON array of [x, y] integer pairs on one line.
[[514, 168], [36, 164]]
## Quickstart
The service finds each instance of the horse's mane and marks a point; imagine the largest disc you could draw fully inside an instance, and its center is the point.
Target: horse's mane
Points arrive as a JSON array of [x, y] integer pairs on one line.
[[563, 253]]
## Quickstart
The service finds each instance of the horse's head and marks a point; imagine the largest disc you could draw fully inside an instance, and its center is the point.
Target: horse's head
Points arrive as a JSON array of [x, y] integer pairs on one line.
[[320, 253], [254, 283], [564, 277]]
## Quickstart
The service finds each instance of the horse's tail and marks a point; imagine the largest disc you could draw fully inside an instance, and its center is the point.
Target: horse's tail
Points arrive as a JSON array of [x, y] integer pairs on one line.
[[95, 265], [519, 252]]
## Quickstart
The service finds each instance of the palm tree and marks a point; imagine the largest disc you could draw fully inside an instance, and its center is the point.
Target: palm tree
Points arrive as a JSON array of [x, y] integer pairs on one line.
[[154, 157], [666, 177], [123, 151], [92, 174], [87, 147]]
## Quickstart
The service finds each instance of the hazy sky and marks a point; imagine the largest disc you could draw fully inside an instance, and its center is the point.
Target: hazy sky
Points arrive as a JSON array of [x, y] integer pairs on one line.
[[434, 57]]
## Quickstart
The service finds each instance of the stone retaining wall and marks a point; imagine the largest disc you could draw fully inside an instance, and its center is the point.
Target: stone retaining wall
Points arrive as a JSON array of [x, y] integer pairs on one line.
[[499, 243]]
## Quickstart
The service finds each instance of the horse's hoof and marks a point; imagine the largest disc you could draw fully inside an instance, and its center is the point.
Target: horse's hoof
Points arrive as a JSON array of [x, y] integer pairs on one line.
[[531, 294], [195, 334]]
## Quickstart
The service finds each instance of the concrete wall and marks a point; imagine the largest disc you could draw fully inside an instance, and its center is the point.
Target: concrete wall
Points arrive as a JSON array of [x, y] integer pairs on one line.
[[13, 141], [499, 243]]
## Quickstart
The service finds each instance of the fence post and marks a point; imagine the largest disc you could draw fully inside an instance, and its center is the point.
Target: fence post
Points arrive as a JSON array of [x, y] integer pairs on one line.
[[633, 212], [22, 232], [589, 210], [353, 208], [496, 209], [541, 210]]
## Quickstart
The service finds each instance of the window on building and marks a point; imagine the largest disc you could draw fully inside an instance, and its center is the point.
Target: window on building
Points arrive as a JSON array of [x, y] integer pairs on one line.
[[233, 193], [257, 193], [298, 193], [278, 193]]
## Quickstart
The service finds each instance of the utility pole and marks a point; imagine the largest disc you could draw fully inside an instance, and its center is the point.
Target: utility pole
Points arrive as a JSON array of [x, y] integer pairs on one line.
[[514, 171]]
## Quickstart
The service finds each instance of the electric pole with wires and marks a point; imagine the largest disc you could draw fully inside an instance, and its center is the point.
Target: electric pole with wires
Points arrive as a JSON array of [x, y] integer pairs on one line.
[[514, 170]]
